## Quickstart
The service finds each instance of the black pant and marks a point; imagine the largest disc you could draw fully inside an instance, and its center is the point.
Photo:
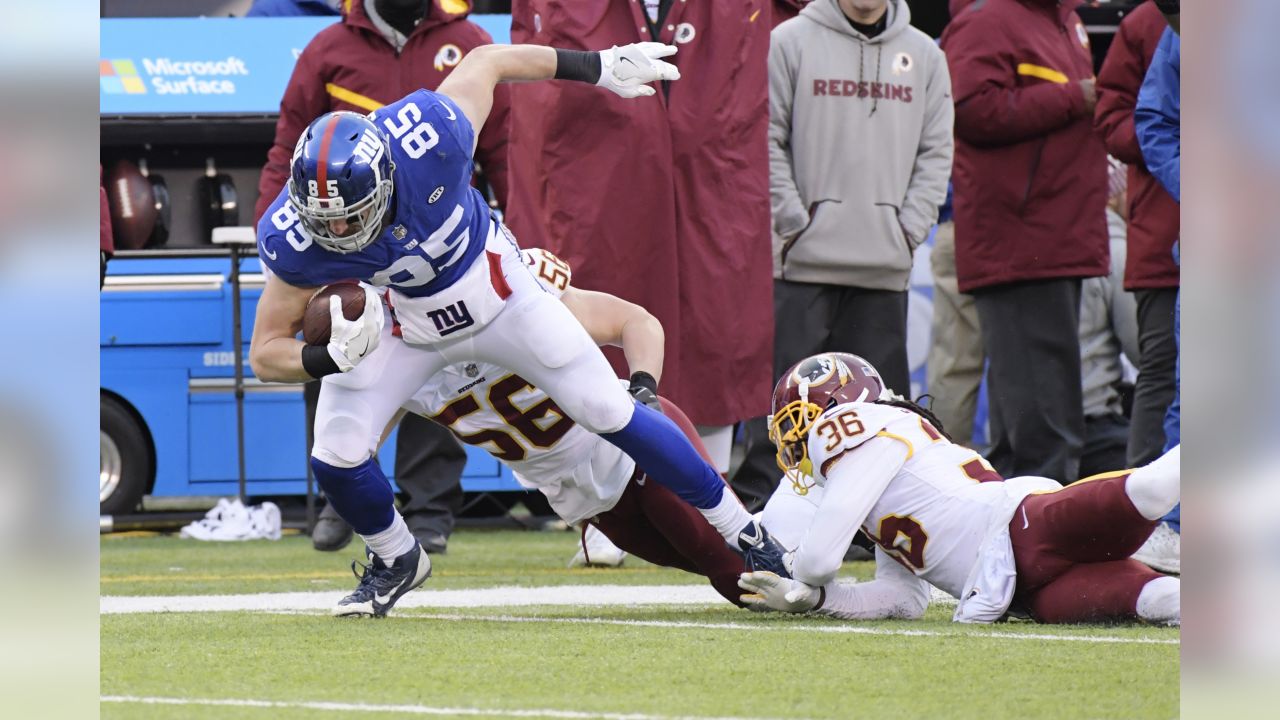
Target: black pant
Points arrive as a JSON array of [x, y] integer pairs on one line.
[[1105, 440], [811, 319], [1031, 332], [429, 463], [1156, 379]]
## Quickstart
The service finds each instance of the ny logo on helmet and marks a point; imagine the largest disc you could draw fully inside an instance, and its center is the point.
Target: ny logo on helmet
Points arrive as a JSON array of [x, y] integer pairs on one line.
[[369, 149]]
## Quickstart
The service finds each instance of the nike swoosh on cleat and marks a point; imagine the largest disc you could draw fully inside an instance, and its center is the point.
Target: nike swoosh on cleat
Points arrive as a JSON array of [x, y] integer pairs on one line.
[[381, 599]]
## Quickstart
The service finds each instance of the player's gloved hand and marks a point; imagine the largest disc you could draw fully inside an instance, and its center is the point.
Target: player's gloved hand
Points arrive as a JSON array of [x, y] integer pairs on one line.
[[644, 388], [629, 69], [767, 591], [350, 341]]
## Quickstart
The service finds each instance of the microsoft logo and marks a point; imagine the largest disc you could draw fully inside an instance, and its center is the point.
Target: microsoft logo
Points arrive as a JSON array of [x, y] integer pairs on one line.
[[120, 76]]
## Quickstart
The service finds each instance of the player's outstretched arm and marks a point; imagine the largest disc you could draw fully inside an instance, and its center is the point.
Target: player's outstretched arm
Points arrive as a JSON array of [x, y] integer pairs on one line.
[[610, 320], [625, 70]]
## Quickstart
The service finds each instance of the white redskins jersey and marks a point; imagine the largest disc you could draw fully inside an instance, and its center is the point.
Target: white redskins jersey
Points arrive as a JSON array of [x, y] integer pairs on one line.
[[496, 410], [928, 503]]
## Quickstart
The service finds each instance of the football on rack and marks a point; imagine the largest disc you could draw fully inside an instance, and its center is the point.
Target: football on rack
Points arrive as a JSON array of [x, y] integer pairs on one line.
[[316, 321]]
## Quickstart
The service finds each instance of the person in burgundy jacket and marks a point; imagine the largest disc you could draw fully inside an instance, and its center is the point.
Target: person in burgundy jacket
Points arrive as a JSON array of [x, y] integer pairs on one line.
[[787, 9], [663, 202], [1030, 198], [106, 240], [1151, 273], [381, 51]]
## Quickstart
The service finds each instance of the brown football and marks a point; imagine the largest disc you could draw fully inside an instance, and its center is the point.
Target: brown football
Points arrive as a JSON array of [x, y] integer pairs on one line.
[[315, 322], [132, 203]]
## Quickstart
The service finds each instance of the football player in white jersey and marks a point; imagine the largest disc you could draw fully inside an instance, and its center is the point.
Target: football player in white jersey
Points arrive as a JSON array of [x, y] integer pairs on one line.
[[585, 479], [387, 199], [857, 457]]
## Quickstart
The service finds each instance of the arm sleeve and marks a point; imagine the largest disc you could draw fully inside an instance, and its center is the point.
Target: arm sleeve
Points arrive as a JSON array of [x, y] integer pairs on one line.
[[853, 484], [990, 108], [895, 593], [927, 189], [1158, 116], [789, 213], [304, 100], [1118, 84]]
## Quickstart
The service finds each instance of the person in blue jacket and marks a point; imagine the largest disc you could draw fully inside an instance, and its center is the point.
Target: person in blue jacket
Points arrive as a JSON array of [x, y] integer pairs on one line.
[[1157, 120]]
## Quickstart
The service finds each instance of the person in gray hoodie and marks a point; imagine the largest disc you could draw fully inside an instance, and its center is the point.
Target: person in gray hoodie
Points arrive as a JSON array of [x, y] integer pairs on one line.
[[860, 148]]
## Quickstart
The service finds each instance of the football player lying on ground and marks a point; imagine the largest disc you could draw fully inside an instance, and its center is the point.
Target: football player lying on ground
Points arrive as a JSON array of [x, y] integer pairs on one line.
[[584, 478], [387, 199], [857, 456]]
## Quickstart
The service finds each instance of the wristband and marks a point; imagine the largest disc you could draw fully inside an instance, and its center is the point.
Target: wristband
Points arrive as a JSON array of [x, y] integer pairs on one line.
[[578, 65], [317, 361], [644, 380]]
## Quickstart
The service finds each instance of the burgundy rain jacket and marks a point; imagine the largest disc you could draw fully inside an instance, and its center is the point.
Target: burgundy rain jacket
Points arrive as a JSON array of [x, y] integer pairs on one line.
[[351, 65], [663, 200], [1153, 214], [1030, 173]]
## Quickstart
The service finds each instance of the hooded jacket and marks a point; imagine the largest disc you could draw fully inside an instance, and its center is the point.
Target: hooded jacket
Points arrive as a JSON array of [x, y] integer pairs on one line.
[[860, 147], [353, 65], [1153, 215], [1030, 173]]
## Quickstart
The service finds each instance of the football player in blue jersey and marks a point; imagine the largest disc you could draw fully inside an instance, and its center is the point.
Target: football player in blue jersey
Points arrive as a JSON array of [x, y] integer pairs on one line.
[[387, 199]]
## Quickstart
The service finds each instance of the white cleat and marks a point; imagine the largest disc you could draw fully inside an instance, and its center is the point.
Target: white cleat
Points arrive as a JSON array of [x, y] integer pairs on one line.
[[597, 550], [1162, 551]]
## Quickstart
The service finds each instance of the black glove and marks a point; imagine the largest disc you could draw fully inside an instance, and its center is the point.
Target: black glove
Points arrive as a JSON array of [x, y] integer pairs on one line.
[[644, 388]]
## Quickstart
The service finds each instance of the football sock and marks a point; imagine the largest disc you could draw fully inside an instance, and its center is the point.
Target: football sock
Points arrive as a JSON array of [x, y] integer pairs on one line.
[[361, 495], [728, 517], [1161, 601], [1155, 488], [667, 457], [392, 542]]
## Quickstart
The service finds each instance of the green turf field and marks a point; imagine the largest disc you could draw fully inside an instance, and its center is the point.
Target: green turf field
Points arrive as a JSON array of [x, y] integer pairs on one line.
[[578, 661]]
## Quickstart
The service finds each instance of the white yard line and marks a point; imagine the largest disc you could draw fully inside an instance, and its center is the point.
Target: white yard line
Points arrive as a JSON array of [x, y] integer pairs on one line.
[[504, 596], [402, 709]]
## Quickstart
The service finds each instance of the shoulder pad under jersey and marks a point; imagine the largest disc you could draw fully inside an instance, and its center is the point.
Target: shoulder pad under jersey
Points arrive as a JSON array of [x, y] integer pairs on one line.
[[845, 427], [552, 273]]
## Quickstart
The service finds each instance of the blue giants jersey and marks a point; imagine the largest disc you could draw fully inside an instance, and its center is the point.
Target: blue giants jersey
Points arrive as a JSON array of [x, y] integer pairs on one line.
[[439, 222]]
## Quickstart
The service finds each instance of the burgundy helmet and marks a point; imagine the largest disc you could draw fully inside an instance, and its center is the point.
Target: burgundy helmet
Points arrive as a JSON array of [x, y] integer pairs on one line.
[[808, 389]]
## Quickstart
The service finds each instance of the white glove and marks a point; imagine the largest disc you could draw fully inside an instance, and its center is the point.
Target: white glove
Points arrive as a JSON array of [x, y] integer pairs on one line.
[[627, 70], [768, 591], [350, 341]]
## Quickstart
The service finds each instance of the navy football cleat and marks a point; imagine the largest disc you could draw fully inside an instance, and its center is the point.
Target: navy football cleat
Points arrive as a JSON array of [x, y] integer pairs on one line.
[[761, 551], [381, 586]]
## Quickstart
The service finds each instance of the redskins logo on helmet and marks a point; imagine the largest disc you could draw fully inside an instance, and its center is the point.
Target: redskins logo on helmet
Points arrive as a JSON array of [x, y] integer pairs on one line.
[[808, 389]]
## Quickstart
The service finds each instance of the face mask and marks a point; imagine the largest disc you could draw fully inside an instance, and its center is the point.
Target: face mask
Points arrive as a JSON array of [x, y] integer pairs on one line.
[[402, 14]]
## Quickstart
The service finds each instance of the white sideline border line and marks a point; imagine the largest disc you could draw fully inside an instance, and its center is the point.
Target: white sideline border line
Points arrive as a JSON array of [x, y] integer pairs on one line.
[[579, 596], [402, 709], [830, 629]]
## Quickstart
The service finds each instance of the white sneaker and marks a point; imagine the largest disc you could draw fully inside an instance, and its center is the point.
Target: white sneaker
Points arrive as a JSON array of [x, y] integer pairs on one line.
[[1162, 551], [231, 521], [265, 522], [597, 550], [202, 528]]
